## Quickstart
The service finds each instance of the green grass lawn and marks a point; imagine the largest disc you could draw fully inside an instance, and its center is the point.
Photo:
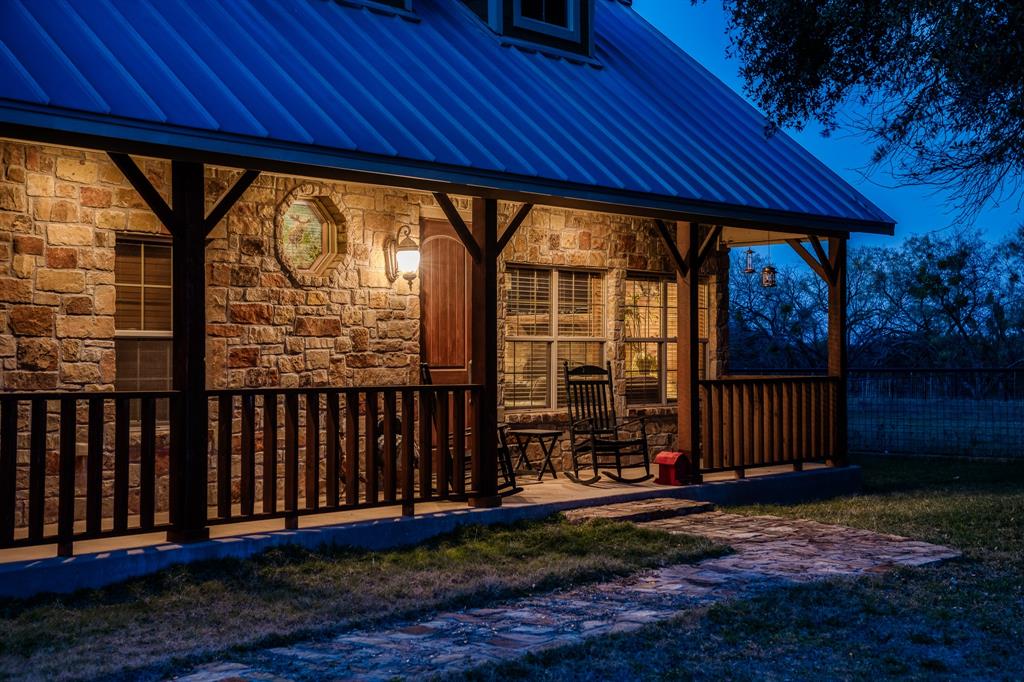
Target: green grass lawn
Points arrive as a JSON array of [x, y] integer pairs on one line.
[[186, 614], [962, 619]]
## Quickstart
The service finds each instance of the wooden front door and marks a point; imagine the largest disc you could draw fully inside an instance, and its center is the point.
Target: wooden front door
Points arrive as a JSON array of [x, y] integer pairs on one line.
[[444, 303]]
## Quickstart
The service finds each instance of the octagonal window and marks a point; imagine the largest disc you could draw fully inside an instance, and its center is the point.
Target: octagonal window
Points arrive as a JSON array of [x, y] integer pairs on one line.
[[304, 230], [310, 233]]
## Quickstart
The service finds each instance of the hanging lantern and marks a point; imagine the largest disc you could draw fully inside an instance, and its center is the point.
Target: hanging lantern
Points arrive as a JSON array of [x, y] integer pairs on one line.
[[768, 277], [749, 270]]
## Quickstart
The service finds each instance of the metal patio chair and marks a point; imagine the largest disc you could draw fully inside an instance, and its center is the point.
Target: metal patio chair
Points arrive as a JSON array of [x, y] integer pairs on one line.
[[597, 437]]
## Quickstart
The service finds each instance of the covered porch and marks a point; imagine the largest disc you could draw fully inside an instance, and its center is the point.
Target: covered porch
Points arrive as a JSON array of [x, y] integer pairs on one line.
[[85, 466]]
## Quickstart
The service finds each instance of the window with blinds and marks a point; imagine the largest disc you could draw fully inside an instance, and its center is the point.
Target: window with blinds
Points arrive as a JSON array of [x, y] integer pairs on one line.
[[142, 316], [651, 324], [553, 316]]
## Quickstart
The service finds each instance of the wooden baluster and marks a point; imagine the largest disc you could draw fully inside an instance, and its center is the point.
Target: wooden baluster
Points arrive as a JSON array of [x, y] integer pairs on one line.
[[372, 470], [37, 470], [390, 480], [766, 422], [66, 477], [333, 453], [426, 485], [8, 468], [724, 432], [291, 460], [757, 421], [444, 456], [459, 431], [312, 450], [738, 423], [248, 464], [225, 413], [708, 434], [94, 468], [351, 447], [408, 455], [122, 461], [799, 425], [147, 464], [786, 420], [270, 453]]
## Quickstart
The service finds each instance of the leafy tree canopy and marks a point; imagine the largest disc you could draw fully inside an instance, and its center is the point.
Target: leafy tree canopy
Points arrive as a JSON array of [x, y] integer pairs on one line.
[[938, 84]]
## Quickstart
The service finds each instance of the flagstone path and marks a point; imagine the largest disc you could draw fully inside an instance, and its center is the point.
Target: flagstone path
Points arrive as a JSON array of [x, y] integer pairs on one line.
[[769, 552]]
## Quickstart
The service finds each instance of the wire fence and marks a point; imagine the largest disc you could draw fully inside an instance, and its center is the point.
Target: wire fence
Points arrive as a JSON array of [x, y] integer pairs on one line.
[[963, 412], [967, 412]]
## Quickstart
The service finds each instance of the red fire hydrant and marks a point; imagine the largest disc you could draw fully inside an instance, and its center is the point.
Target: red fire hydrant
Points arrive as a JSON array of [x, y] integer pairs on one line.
[[673, 468]]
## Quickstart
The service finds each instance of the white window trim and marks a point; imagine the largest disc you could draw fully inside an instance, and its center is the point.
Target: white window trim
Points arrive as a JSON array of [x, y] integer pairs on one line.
[[552, 340]]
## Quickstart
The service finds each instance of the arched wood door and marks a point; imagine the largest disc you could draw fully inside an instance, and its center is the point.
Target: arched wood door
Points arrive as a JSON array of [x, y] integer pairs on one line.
[[444, 303]]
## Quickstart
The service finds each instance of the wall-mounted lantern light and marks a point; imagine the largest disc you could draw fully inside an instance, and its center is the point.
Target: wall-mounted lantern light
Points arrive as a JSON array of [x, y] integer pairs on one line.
[[768, 277], [401, 256]]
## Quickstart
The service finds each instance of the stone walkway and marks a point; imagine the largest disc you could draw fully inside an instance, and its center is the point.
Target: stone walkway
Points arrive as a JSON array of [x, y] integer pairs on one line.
[[769, 552]]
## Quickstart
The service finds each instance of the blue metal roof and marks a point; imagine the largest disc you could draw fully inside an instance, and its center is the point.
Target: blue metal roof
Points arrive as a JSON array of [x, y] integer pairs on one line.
[[440, 98]]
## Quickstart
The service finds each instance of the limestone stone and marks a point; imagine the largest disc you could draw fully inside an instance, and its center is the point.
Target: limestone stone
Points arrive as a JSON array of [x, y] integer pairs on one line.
[[39, 185], [80, 372], [19, 380], [38, 354], [77, 170], [12, 197], [65, 281], [318, 326], [31, 320], [244, 357], [78, 305], [61, 257], [15, 290], [29, 245], [251, 313], [96, 197], [84, 327], [69, 235]]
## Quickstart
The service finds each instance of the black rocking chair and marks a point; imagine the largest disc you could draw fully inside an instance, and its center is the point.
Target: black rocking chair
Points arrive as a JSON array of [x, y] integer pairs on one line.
[[506, 474], [596, 436]]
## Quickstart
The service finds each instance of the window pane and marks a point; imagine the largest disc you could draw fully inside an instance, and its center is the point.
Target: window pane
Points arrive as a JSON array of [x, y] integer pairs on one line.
[[643, 308], [580, 304], [576, 353], [529, 302], [702, 311], [126, 365], [154, 365], [127, 263], [643, 373], [157, 264], [157, 308], [549, 11], [672, 309], [128, 307], [526, 374], [671, 371]]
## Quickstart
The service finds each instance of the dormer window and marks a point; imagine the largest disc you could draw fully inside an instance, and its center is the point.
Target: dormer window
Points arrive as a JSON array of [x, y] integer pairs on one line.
[[562, 26], [550, 12]]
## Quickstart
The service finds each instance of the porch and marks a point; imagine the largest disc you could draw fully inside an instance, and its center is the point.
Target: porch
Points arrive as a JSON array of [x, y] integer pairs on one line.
[[102, 561]]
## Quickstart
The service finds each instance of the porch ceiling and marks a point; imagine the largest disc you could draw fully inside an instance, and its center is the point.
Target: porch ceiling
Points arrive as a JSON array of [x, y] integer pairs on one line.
[[329, 90]]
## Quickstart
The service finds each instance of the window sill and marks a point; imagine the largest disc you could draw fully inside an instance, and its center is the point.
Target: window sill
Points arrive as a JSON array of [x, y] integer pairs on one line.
[[668, 410]]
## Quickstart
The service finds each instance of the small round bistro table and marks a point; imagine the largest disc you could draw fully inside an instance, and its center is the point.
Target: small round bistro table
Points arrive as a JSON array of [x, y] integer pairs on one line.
[[547, 438]]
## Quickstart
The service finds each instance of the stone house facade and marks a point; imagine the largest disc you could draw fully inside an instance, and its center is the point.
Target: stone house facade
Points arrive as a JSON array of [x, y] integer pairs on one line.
[[63, 213]]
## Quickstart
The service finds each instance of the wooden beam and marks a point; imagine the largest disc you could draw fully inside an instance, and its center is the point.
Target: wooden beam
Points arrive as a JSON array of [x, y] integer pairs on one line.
[[837, 347], [484, 355], [146, 190], [189, 434], [673, 250], [461, 229], [826, 263], [688, 347], [513, 226], [810, 260], [710, 239], [229, 199]]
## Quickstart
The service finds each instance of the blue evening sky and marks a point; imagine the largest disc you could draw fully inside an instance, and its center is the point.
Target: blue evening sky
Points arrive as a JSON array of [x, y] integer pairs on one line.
[[700, 30]]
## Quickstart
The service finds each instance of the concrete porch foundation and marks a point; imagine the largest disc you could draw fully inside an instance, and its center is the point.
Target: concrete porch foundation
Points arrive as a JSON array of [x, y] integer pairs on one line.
[[32, 571]]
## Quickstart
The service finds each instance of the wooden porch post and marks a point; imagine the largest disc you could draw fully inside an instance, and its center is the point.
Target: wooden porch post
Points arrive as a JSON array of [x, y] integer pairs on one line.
[[191, 419], [688, 344], [837, 344], [484, 355]]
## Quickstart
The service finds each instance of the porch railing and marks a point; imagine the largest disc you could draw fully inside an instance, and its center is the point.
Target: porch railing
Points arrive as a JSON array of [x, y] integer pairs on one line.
[[764, 421], [78, 466], [81, 466]]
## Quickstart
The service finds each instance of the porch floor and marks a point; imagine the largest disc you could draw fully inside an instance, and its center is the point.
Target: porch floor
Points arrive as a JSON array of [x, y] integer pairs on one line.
[[28, 571]]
